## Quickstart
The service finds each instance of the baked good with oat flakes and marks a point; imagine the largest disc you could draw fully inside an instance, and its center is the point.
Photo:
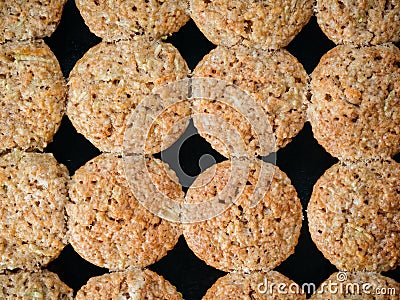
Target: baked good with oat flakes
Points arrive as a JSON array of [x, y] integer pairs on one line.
[[119, 20], [32, 95], [254, 285], [364, 22], [353, 215], [25, 20], [34, 285], [255, 24], [32, 210], [275, 79], [138, 284], [247, 236], [355, 111], [108, 226], [111, 79]]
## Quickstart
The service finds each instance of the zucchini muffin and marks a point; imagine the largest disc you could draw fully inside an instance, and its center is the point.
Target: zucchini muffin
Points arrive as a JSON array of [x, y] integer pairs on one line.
[[274, 79], [355, 109], [355, 22], [247, 236], [107, 225], [111, 79], [24, 20], [32, 95], [118, 20], [32, 210], [132, 284], [34, 285], [353, 215]]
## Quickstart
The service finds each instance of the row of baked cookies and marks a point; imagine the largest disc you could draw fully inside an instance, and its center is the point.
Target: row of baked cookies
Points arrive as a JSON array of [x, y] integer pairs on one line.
[[256, 24]]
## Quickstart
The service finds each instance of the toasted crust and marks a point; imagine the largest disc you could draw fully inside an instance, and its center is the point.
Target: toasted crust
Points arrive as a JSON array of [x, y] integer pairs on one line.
[[32, 220], [24, 20], [34, 285], [353, 215], [116, 20], [369, 22], [137, 284], [275, 79], [107, 225], [246, 238], [256, 24], [256, 285], [111, 79], [355, 111], [372, 286], [32, 95]]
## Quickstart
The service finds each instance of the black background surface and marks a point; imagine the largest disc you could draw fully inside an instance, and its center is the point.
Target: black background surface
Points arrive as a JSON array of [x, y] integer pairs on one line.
[[303, 160]]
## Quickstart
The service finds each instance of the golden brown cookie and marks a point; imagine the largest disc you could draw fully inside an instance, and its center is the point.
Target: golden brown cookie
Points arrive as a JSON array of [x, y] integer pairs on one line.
[[247, 236], [132, 284], [32, 95], [33, 195], [275, 79], [256, 24], [108, 226], [116, 20], [364, 22], [355, 109], [34, 285], [24, 20], [353, 215], [255, 285], [111, 79]]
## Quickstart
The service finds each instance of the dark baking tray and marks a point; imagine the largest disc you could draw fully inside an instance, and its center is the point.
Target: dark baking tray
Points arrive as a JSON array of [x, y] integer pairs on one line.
[[303, 160]]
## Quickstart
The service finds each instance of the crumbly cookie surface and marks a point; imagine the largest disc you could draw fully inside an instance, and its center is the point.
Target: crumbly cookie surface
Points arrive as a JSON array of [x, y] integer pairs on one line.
[[111, 79], [32, 219], [108, 226], [256, 24], [32, 95], [369, 22], [275, 79], [355, 111], [246, 236], [132, 284], [353, 215]]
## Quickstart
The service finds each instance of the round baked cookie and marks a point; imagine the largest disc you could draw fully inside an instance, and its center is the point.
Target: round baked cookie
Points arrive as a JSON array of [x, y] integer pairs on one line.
[[355, 22], [358, 286], [137, 284], [255, 285], [116, 20], [355, 109], [34, 285], [111, 79], [256, 24], [275, 79], [107, 226], [353, 215], [32, 95], [246, 236], [23, 20], [33, 195]]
